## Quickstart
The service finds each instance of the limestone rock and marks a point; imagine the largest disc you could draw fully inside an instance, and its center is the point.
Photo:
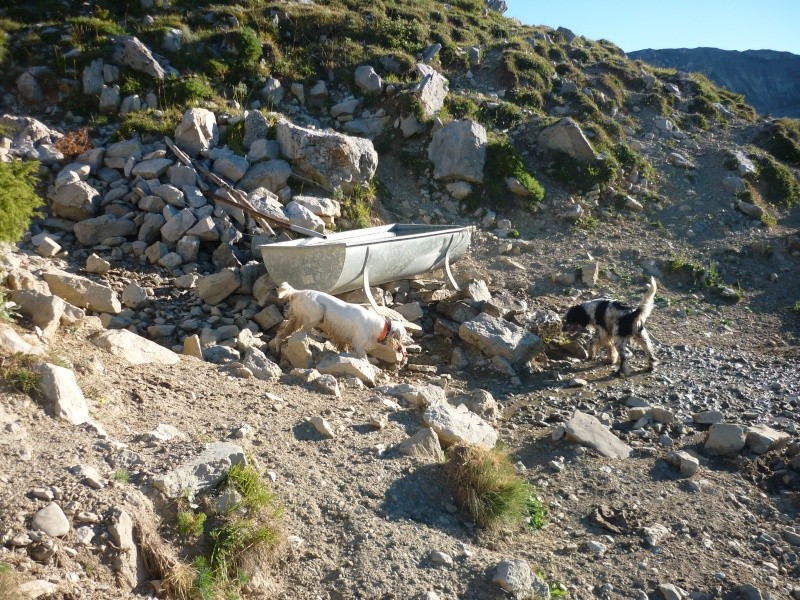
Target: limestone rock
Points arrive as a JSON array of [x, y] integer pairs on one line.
[[368, 81], [328, 158], [423, 444], [75, 201], [203, 473], [197, 131], [63, 396], [82, 292], [51, 520], [761, 439], [45, 310], [131, 52], [458, 151], [216, 287], [431, 90], [725, 438], [567, 136], [133, 348], [497, 337], [458, 425], [588, 431], [348, 365]]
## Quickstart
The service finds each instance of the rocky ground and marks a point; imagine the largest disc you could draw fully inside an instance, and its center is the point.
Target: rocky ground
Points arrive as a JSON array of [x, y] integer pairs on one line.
[[363, 520]]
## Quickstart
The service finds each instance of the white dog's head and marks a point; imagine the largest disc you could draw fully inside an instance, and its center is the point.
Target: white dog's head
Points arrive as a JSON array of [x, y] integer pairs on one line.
[[398, 336]]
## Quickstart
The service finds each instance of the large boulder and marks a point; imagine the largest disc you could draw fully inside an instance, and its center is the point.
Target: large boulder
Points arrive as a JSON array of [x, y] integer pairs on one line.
[[131, 52], [498, 337], [133, 348], [75, 201], [328, 158], [456, 424], [368, 81], [431, 90], [82, 292], [271, 174], [91, 232], [458, 151], [567, 137], [197, 131]]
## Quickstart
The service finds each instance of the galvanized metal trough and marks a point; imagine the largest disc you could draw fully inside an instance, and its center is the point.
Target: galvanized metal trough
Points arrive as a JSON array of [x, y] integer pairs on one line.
[[349, 260]]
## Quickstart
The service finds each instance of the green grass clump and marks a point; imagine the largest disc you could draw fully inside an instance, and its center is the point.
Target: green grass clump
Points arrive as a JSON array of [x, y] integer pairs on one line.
[[190, 524], [461, 107], [782, 140], [156, 123], [584, 177], [503, 160], [18, 373], [122, 476], [488, 487], [780, 184], [357, 205], [228, 547], [19, 201], [8, 309], [234, 138], [796, 307], [537, 510], [631, 159], [526, 97]]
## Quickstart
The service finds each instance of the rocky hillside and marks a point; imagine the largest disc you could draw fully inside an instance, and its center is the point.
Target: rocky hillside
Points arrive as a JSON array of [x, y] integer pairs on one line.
[[159, 443], [767, 79]]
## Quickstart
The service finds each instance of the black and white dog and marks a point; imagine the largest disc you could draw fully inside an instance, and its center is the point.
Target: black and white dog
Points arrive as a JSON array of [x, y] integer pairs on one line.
[[615, 324]]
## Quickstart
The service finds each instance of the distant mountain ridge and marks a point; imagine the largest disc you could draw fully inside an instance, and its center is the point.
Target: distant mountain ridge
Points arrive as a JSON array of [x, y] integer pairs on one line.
[[769, 80]]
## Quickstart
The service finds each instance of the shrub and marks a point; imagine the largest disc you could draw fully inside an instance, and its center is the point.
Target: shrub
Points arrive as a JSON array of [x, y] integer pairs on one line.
[[145, 122], [461, 107], [17, 373], [191, 89], [782, 140], [504, 116], [18, 199], [526, 97], [8, 309], [780, 183], [503, 160], [248, 47], [234, 138], [487, 486], [74, 143]]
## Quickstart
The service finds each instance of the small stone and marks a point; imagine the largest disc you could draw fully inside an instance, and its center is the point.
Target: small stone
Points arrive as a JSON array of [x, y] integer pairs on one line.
[[323, 427], [597, 548], [441, 558], [51, 520]]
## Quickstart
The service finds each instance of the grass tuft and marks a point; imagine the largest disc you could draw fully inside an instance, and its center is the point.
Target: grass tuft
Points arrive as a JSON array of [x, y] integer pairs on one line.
[[487, 486], [17, 372]]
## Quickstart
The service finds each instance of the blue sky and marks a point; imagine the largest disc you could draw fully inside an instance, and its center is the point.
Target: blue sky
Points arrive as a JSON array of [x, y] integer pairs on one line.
[[635, 25]]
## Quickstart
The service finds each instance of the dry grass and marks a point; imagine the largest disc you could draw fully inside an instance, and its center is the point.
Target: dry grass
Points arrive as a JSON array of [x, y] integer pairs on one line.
[[487, 486], [74, 143]]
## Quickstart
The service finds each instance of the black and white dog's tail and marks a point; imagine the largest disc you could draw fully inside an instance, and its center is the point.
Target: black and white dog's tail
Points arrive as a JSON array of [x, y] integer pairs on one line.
[[645, 306], [285, 290]]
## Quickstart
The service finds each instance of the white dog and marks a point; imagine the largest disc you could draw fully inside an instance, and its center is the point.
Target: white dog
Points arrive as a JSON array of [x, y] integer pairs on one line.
[[345, 324]]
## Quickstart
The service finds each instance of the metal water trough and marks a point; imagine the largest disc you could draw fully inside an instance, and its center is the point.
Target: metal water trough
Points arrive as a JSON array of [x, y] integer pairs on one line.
[[349, 260]]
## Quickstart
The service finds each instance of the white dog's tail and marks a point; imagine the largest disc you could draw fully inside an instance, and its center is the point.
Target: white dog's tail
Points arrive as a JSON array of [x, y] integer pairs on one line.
[[646, 305], [285, 290]]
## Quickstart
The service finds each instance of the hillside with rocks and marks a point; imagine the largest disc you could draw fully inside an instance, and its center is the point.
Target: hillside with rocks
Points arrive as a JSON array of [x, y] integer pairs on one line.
[[151, 431], [766, 78]]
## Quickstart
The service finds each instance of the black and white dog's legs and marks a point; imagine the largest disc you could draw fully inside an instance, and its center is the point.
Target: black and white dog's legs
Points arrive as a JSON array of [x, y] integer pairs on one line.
[[621, 349], [647, 344]]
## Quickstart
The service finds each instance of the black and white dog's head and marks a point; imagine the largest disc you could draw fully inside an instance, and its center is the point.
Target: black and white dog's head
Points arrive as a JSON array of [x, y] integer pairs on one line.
[[577, 318]]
